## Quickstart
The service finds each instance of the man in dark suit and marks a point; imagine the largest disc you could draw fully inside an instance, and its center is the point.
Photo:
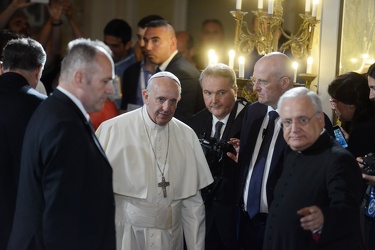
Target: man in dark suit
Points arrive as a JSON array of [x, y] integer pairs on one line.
[[136, 76], [65, 198], [161, 48], [318, 195], [272, 77], [220, 93], [21, 68]]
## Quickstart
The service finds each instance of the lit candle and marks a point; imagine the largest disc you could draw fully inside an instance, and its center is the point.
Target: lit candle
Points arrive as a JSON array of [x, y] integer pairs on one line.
[[308, 6], [309, 65], [238, 4], [260, 4], [215, 59], [270, 7], [211, 55], [241, 66], [295, 67], [315, 7], [231, 59]]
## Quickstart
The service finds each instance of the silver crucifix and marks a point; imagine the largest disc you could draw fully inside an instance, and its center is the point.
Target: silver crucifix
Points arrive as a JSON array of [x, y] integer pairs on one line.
[[163, 184]]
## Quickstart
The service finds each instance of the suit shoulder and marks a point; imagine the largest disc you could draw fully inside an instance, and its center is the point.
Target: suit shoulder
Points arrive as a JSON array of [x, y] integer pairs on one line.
[[182, 68], [182, 126], [132, 67]]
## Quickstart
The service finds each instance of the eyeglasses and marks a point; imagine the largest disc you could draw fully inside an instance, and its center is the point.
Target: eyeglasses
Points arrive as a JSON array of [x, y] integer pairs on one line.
[[262, 83], [302, 120], [255, 81]]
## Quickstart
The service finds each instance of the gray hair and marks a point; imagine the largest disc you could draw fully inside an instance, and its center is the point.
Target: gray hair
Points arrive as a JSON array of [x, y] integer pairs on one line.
[[166, 74], [81, 54], [24, 54], [219, 70], [302, 91]]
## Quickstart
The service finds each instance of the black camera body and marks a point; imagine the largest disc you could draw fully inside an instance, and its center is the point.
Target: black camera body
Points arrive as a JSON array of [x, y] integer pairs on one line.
[[215, 150], [369, 164]]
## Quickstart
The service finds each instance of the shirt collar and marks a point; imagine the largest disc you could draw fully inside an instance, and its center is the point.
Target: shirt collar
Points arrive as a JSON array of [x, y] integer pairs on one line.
[[164, 65], [225, 120], [75, 100]]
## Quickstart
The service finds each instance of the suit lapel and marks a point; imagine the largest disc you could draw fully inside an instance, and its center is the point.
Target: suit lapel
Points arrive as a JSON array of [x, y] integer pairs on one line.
[[278, 150], [62, 97]]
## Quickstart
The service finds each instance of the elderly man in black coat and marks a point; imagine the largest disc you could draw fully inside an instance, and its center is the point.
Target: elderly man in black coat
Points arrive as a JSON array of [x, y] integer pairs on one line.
[[317, 198]]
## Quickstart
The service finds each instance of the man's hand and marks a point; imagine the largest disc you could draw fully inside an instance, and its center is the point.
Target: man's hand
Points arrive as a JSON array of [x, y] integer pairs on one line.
[[369, 178], [19, 4], [236, 145], [312, 218]]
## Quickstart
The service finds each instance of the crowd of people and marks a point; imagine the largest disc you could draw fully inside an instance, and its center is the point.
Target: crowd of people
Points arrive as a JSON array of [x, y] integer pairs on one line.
[[132, 147]]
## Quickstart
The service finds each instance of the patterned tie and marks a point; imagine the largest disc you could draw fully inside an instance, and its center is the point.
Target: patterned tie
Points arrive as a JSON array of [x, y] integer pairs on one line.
[[218, 126], [253, 198]]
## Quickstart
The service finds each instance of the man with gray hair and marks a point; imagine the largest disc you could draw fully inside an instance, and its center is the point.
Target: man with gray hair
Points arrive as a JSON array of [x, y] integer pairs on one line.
[[159, 169], [317, 197], [65, 197], [215, 125], [21, 66]]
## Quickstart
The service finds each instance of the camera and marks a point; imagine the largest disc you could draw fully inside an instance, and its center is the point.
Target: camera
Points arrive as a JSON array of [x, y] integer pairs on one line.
[[369, 164], [215, 150]]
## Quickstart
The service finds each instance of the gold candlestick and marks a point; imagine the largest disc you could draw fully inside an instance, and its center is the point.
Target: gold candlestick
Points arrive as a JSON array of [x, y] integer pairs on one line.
[[308, 78]]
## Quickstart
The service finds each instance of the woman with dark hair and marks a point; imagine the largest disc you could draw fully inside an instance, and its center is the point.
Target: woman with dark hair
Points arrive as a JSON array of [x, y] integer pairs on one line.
[[369, 198], [350, 101]]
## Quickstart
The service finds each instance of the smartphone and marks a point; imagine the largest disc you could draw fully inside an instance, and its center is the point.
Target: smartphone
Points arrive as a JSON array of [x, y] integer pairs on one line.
[[339, 136]]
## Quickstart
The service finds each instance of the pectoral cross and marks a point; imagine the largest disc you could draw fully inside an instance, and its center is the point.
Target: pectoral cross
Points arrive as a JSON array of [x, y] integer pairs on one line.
[[163, 184]]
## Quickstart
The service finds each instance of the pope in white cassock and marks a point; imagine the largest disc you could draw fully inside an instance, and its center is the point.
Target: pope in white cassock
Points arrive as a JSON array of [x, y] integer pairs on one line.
[[158, 169]]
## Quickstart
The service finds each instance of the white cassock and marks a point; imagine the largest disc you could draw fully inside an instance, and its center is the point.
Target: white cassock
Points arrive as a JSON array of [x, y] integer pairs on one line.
[[145, 219]]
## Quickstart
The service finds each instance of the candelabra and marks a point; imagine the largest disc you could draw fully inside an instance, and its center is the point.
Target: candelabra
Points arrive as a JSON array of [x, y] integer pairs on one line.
[[308, 78], [245, 90], [266, 39]]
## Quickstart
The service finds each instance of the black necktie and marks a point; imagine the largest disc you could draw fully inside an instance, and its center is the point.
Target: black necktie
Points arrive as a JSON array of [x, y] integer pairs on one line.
[[218, 126], [254, 192], [157, 70]]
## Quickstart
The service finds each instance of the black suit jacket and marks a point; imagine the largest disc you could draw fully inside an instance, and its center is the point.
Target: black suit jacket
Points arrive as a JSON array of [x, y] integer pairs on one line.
[[65, 198], [325, 175], [191, 95], [130, 81], [220, 202], [16, 108], [251, 126]]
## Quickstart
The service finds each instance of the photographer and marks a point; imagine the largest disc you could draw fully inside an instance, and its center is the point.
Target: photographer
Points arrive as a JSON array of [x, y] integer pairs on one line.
[[367, 163], [215, 125]]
